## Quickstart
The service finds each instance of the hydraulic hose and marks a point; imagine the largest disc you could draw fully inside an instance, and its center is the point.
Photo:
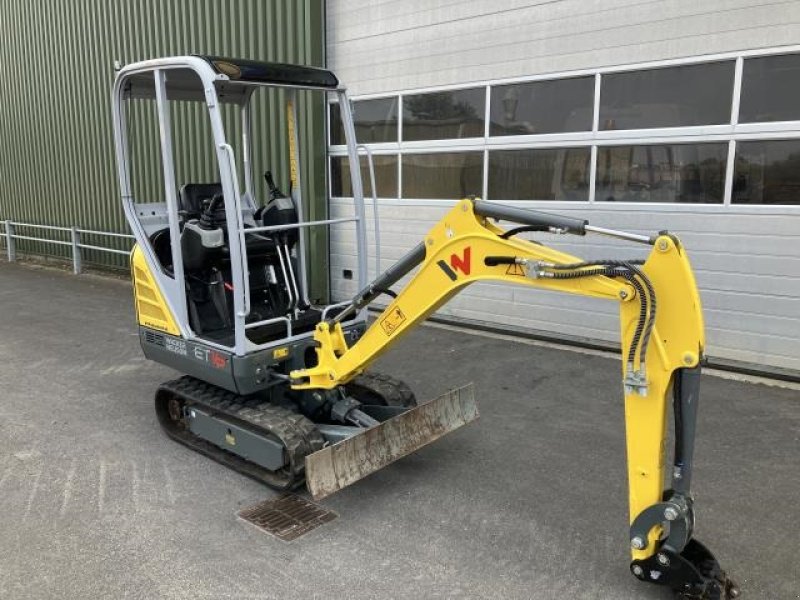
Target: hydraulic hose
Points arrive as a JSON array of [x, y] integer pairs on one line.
[[640, 282]]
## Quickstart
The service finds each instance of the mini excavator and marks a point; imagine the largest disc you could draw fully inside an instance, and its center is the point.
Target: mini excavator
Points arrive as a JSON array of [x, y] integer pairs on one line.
[[275, 385]]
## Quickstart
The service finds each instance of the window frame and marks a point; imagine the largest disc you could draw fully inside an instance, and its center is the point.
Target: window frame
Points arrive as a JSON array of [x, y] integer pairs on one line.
[[729, 133]]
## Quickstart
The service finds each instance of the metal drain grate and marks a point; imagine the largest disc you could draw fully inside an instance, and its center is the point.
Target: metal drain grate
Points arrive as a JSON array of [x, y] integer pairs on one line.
[[287, 517]]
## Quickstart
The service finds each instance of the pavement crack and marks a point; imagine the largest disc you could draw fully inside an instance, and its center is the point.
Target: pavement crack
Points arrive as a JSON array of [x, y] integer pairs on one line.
[[68, 483], [6, 474], [135, 485], [168, 484], [34, 490], [101, 487]]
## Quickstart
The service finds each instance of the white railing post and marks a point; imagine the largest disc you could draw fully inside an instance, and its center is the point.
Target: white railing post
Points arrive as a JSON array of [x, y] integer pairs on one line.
[[12, 251], [75, 238]]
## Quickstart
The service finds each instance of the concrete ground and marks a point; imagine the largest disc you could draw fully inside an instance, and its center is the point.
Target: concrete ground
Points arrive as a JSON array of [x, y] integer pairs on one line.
[[530, 502]]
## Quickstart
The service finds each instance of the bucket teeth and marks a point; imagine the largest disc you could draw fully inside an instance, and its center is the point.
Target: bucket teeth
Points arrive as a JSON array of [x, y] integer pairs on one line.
[[337, 466], [693, 574], [717, 585]]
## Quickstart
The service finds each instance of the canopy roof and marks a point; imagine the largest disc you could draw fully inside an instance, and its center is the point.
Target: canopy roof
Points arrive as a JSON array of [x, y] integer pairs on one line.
[[232, 77], [238, 69]]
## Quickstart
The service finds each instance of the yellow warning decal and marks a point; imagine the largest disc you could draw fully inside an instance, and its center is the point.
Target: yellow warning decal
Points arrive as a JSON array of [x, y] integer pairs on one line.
[[229, 439], [392, 321], [515, 269], [280, 353]]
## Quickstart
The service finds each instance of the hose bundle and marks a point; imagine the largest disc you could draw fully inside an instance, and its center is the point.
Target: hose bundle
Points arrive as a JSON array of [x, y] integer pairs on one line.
[[630, 271]]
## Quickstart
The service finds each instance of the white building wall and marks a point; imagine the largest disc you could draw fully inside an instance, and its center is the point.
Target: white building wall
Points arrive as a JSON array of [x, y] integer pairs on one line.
[[389, 45], [747, 259]]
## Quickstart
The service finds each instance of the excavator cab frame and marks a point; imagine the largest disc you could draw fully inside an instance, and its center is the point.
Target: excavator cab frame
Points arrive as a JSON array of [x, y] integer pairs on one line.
[[214, 81]]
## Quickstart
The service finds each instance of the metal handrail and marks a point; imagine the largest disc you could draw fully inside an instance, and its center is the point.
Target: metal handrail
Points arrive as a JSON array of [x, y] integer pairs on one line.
[[239, 226], [269, 322], [264, 228], [377, 227], [108, 233], [35, 239], [36, 226], [331, 307], [10, 235]]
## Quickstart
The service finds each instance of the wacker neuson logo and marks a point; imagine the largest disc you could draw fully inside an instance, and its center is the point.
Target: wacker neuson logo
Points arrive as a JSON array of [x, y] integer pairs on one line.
[[461, 263]]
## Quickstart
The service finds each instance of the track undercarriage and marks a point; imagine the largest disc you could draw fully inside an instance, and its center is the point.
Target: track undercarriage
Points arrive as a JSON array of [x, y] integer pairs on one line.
[[265, 436]]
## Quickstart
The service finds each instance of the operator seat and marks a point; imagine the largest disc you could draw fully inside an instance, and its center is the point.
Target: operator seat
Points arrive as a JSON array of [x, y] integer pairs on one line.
[[192, 195]]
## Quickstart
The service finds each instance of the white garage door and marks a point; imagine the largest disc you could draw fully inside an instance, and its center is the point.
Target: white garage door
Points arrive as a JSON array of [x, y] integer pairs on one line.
[[707, 147]]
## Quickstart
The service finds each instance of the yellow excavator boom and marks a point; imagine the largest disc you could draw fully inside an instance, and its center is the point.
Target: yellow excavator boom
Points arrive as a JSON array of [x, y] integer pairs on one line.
[[662, 341]]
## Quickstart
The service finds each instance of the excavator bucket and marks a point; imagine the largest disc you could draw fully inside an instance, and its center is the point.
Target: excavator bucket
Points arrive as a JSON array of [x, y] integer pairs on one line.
[[337, 466]]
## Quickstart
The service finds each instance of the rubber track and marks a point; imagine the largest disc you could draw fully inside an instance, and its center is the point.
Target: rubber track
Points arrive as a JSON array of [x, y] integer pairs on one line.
[[298, 435]]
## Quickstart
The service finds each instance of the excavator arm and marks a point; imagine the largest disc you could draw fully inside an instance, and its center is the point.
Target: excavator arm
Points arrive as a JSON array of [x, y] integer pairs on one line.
[[662, 347]]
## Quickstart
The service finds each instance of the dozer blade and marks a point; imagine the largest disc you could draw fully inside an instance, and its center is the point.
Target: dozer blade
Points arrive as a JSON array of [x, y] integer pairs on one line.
[[337, 466]]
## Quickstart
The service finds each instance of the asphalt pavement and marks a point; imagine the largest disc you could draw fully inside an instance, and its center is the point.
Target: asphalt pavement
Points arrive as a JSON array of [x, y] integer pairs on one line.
[[529, 502]]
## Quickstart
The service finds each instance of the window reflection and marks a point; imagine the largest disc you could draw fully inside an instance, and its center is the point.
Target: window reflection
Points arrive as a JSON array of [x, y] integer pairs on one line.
[[445, 175], [444, 115], [560, 105], [661, 173], [551, 174], [374, 121], [385, 176], [767, 172], [770, 89], [335, 124], [667, 97]]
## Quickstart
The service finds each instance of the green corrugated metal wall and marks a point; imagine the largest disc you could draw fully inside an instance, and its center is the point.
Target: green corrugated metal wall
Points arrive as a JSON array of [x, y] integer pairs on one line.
[[56, 63]]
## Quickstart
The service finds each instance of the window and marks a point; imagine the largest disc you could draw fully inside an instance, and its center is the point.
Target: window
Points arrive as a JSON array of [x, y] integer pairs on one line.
[[548, 174], [374, 120], [767, 172], [770, 89], [542, 136], [444, 115], [446, 176], [542, 107], [385, 176], [662, 173], [668, 97], [336, 129]]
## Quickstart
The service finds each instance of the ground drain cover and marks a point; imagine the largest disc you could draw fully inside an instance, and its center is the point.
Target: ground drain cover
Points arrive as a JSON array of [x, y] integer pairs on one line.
[[287, 517]]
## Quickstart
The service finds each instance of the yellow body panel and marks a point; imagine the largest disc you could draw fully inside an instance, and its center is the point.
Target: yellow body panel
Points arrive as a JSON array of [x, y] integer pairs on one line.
[[461, 240], [151, 309]]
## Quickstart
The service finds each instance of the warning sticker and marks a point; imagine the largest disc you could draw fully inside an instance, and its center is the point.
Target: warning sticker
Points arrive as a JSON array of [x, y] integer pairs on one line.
[[392, 321], [515, 269]]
